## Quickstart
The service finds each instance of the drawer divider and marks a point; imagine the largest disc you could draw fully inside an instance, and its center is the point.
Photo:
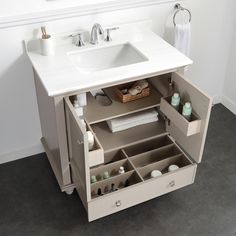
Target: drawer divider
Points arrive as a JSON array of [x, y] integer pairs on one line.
[[131, 163]]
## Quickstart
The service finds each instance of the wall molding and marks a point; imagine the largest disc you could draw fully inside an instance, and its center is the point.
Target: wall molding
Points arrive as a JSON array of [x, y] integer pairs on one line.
[[44, 16], [228, 103], [21, 153]]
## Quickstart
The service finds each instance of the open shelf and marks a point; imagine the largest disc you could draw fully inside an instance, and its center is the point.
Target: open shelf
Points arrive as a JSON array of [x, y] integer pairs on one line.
[[111, 141], [187, 127], [94, 112]]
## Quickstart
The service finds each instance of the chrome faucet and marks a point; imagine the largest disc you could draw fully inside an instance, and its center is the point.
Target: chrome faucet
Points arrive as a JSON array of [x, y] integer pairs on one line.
[[95, 32]]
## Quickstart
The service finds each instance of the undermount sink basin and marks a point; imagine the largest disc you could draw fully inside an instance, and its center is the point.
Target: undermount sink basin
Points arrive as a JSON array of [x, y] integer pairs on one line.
[[98, 59]]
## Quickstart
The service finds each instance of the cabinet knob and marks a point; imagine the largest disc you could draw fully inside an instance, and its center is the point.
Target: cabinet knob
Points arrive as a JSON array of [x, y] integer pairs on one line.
[[172, 183], [118, 203]]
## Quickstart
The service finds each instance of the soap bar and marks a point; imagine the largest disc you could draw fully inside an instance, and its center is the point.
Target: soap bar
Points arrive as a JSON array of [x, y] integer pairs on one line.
[[90, 140]]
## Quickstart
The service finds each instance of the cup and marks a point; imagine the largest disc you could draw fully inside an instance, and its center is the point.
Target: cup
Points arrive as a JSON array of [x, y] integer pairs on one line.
[[47, 46]]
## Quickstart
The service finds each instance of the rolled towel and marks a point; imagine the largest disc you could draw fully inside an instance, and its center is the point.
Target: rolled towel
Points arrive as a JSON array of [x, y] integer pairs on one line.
[[138, 87]]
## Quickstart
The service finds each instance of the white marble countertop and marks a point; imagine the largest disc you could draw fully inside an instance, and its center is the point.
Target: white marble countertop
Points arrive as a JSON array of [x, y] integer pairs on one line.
[[60, 77]]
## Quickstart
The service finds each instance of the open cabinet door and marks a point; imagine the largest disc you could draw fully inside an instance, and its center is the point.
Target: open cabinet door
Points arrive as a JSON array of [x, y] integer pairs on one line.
[[78, 151], [190, 136]]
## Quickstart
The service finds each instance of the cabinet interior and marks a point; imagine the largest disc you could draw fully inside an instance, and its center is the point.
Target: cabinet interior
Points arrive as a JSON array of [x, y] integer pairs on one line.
[[140, 150]]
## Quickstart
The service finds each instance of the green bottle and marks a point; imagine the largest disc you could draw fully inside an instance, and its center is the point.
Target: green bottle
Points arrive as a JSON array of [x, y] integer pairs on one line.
[[106, 175], [175, 100], [187, 111], [93, 179]]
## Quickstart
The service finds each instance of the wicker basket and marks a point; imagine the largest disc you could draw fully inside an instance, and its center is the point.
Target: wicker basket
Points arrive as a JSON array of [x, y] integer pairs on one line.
[[128, 97]]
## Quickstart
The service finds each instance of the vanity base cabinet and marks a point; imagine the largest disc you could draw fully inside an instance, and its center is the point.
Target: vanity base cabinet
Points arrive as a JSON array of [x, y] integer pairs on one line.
[[170, 140], [54, 135]]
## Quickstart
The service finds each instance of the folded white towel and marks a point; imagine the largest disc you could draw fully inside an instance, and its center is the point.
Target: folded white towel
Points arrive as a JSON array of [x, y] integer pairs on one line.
[[134, 124], [129, 121], [183, 38]]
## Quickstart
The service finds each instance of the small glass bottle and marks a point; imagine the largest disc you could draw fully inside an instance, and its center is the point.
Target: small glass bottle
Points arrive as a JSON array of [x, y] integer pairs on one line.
[[106, 175], [187, 111], [175, 100], [121, 170]]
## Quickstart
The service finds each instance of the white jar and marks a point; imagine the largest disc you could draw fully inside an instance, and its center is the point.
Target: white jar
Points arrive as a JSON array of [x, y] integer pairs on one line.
[[173, 168], [155, 173]]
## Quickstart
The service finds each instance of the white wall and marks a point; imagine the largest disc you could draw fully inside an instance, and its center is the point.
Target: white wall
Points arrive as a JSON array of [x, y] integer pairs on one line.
[[14, 7], [229, 91], [19, 121], [212, 33]]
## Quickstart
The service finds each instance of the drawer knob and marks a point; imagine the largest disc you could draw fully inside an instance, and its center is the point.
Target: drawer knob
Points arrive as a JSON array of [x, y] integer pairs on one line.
[[118, 203], [172, 183]]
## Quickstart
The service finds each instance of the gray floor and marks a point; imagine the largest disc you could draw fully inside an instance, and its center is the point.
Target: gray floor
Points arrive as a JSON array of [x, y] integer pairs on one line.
[[31, 203]]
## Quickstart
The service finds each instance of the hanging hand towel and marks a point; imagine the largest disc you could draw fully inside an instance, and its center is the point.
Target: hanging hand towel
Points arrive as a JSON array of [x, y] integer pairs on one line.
[[183, 38]]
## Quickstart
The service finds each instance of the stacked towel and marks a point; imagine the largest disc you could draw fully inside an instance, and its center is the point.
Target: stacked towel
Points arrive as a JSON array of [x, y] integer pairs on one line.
[[129, 121]]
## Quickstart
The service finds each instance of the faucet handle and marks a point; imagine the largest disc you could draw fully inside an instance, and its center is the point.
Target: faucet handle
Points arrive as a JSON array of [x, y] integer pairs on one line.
[[108, 36], [79, 41]]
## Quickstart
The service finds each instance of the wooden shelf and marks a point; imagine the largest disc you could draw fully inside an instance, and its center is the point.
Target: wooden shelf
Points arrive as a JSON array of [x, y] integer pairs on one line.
[[111, 141], [95, 113]]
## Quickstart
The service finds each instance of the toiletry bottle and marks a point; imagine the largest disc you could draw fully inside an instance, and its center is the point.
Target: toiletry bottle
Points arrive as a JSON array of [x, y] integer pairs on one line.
[[93, 179], [90, 140], [175, 100], [187, 111], [78, 109], [106, 175], [121, 170]]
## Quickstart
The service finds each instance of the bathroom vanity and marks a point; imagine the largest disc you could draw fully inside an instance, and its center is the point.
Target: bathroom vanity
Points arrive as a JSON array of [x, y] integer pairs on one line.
[[154, 146]]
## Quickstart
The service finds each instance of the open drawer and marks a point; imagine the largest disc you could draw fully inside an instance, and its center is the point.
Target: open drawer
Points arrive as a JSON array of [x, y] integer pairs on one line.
[[141, 186]]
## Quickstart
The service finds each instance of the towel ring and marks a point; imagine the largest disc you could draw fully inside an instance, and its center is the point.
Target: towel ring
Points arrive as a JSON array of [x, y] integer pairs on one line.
[[179, 8]]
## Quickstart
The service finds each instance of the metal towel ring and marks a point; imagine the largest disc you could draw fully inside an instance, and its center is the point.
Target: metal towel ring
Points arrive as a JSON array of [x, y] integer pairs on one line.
[[179, 8]]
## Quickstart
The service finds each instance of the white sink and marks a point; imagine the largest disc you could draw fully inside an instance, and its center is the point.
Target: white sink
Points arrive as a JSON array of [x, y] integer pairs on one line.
[[98, 59]]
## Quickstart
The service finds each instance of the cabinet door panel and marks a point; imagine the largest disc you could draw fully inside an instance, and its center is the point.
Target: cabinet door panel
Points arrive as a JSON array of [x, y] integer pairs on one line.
[[201, 103], [78, 151]]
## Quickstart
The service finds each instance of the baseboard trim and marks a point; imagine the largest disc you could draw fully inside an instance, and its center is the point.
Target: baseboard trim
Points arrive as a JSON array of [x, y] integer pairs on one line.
[[228, 103], [217, 99], [21, 153]]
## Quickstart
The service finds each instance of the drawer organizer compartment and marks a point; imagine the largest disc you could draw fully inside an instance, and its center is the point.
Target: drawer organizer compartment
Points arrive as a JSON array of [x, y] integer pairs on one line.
[[113, 184], [112, 169], [147, 145], [187, 127], [113, 156], [159, 154], [180, 160]]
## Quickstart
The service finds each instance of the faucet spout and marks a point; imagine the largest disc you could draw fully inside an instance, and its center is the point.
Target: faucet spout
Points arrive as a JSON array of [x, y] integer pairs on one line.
[[95, 32]]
